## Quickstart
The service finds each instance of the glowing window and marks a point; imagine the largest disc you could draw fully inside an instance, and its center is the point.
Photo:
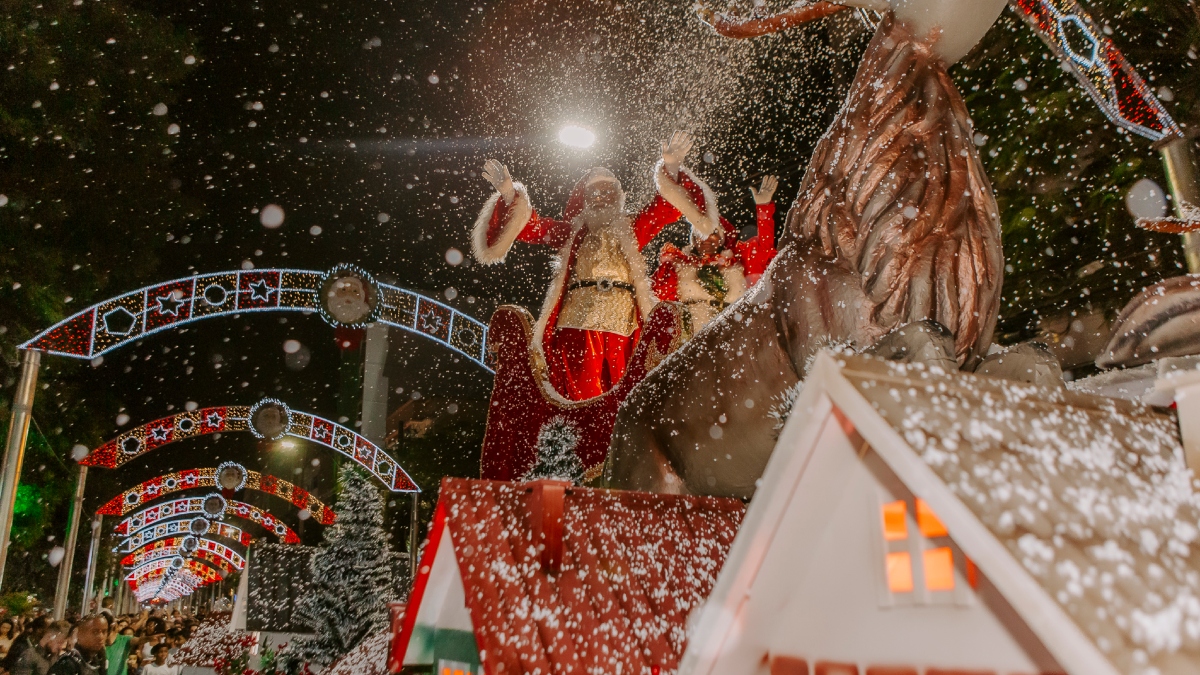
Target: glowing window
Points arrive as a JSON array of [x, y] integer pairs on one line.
[[895, 525], [930, 524], [939, 569], [899, 572], [972, 574]]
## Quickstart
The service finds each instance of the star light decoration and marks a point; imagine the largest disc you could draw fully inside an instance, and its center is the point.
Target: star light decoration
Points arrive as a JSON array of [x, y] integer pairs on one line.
[[169, 549], [1100, 67], [180, 528], [345, 296], [283, 421], [189, 479], [211, 507]]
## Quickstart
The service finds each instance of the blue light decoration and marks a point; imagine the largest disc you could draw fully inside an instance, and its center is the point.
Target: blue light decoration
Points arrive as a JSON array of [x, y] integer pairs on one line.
[[177, 529], [282, 421], [345, 296], [167, 550], [1099, 66], [211, 507]]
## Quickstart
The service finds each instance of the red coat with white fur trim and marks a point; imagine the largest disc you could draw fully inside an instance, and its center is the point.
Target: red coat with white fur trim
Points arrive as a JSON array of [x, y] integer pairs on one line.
[[500, 225]]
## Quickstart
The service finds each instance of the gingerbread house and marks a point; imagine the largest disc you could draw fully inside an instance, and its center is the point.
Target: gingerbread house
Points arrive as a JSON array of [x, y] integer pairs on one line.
[[547, 578], [913, 521]]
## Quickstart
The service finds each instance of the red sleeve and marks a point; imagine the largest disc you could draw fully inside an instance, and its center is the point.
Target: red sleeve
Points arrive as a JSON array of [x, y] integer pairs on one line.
[[666, 282], [653, 218], [659, 213], [545, 231], [757, 253], [537, 231]]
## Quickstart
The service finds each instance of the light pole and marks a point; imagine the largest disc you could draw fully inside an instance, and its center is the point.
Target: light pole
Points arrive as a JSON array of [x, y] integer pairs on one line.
[[93, 555], [14, 451], [1185, 193], [68, 561]]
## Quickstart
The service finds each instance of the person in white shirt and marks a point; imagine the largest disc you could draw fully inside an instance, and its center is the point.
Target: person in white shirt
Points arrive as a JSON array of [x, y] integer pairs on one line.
[[159, 665]]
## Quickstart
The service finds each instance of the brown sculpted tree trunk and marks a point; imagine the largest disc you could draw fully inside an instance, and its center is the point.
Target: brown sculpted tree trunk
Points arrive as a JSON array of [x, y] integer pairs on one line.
[[895, 224]]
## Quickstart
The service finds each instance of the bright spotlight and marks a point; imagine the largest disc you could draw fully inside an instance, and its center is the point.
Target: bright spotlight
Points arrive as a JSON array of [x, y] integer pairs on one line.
[[576, 136]]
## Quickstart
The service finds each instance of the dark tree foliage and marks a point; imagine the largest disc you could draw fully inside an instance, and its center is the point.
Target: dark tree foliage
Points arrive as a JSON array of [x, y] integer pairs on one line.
[[87, 199], [1061, 170]]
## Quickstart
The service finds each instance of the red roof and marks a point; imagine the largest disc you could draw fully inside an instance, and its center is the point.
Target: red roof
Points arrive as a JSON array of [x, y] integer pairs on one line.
[[634, 566]]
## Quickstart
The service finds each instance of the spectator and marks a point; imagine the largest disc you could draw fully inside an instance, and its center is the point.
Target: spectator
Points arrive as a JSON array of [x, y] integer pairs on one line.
[[7, 633], [38, 659], [159, 665], [87, 657], [28, 638]]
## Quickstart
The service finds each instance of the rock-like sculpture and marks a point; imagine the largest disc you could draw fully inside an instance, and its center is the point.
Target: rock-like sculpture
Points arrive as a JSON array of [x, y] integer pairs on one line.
[[895, 224]]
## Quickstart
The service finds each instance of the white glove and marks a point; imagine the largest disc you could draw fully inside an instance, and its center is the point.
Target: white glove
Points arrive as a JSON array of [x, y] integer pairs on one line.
[[674, 150], [497, 174], [766, 193]]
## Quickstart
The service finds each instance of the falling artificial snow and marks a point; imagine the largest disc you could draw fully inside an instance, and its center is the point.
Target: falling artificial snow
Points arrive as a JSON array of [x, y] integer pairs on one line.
[[556, 458], [271, 216], [352, 576]]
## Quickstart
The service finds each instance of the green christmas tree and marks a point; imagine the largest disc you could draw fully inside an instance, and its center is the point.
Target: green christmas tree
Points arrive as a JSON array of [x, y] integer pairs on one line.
[[352, 575]]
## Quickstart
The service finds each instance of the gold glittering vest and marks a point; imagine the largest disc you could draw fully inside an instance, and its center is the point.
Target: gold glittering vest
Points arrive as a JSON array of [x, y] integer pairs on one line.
[[600, 289]]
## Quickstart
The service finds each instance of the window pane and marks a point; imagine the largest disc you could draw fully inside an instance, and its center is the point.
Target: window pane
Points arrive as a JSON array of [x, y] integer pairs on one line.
[[895, 527], [929, 523], [899, 573], [939, 569]]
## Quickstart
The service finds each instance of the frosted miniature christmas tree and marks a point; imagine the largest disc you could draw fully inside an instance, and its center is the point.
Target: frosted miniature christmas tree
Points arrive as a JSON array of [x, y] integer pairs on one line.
[[352, 577], [556, 453]]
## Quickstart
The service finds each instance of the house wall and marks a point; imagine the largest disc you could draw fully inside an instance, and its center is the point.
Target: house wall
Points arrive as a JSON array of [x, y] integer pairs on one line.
[[819, 592], [443, 628]]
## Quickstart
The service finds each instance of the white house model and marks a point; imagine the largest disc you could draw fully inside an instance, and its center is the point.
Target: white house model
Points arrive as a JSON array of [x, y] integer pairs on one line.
[[918, 522]]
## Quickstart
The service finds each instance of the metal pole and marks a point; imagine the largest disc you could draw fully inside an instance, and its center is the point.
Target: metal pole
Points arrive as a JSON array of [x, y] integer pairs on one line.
[[14, 452], [68, 561], [1185, 192], [93, 556], [412, 540]]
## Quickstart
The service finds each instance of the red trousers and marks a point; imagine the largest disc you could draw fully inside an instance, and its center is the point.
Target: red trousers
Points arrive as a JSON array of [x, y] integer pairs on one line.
[[586, 363]]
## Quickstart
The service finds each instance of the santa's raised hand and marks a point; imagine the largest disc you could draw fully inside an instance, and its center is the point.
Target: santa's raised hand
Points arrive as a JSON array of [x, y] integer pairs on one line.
[[497, 174], [766, 191], [674, 150]]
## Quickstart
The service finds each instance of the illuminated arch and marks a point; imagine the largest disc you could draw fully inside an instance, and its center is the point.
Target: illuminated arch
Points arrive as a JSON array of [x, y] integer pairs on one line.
[[159, 568], [191, 576], [195, 506], [178, 547], [118, 321], [204, 421], [159, 487], [179, 529]]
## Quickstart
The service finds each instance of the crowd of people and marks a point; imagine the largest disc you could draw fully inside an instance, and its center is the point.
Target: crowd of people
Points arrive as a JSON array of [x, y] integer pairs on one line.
[[101, 643]]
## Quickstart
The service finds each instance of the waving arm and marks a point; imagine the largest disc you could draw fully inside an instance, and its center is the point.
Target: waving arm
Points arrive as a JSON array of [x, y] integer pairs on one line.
[[741, 28]]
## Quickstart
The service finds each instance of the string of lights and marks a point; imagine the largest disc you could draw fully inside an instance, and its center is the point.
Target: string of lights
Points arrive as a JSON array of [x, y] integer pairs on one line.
[[269, 419], [345, 296]]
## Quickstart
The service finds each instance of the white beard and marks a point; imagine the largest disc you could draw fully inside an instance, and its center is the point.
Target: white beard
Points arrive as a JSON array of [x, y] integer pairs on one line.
[[604, 216]]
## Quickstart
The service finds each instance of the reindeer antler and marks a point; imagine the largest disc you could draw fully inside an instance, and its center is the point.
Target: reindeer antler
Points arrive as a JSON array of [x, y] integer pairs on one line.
[[739, 28]]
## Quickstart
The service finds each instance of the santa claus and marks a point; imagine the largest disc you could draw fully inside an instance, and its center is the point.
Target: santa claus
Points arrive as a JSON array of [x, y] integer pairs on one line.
[[716, 268], [601, 294]]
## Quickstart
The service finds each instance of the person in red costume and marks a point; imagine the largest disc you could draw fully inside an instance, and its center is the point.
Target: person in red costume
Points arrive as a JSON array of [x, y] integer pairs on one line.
[[600, 295], [716, 269]]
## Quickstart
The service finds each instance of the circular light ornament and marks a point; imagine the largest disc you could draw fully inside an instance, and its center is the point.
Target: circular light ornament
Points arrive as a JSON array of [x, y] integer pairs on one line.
[[190, 543], [270, 419], [576, 136], [199, 526], [231, 476], [1146, 199], [177, 563], [349, 297], [214, 506]]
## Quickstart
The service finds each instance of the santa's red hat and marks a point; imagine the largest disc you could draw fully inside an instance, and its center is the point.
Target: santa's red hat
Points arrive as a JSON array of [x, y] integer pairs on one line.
[[595, 174]]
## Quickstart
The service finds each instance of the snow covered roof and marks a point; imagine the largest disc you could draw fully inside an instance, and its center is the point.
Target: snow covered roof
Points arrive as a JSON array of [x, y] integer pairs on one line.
[[633, 568], [1088, 494]]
